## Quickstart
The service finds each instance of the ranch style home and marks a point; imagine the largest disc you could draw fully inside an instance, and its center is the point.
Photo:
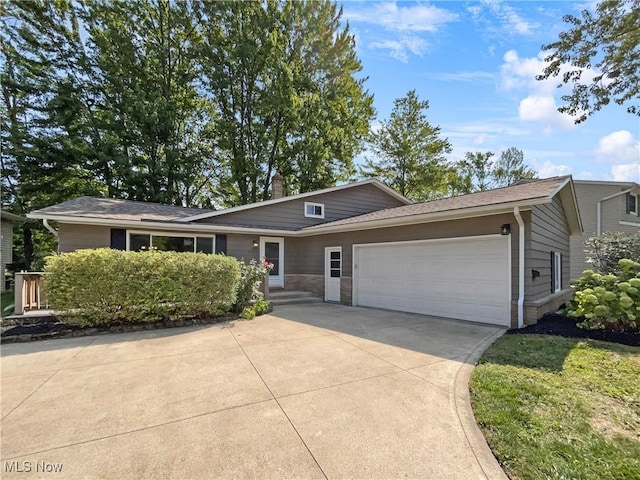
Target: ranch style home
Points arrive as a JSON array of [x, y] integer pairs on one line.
[[499, 256]]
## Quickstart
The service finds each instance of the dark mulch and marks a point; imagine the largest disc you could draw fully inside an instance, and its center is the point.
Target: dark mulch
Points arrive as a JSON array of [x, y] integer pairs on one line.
[[36, 329], [559, 325]]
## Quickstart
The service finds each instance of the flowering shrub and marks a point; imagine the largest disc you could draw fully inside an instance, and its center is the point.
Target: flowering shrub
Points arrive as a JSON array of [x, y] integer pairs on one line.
[[609, 301], [252, 274]]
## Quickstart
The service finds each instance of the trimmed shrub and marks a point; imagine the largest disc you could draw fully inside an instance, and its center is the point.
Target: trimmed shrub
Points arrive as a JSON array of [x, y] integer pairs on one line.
[[252, 274], [262, 306], [105, 286], [609, 301], [605, 251]]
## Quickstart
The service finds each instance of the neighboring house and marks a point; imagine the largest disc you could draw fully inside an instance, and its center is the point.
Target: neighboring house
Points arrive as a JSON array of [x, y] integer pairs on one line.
[[364, 244], [6, 239], [618, 204]]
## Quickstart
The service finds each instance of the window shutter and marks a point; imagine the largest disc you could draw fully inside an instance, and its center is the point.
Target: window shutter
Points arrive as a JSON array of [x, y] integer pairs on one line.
[[560, 273], [553, 273], [118, 238], [627, 203], [221, 244]]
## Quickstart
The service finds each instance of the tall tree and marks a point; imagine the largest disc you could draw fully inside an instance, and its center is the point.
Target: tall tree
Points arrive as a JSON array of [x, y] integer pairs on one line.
[[475, 172], [608, 40], [409, 151], [510, 168], [282, 75]]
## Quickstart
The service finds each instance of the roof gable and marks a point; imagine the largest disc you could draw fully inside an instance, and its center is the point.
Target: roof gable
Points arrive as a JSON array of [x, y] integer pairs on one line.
[[488, 201], [307, 195]]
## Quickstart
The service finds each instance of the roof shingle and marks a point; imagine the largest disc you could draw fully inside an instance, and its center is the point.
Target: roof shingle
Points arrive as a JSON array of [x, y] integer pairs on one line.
[[117, 209], [532, 190]]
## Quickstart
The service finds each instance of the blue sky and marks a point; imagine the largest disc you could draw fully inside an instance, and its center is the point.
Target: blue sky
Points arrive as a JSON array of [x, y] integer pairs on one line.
[[476, 63]]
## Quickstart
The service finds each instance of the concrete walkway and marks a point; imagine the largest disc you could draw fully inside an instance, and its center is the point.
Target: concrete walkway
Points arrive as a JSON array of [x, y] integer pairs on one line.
[[311, 391]]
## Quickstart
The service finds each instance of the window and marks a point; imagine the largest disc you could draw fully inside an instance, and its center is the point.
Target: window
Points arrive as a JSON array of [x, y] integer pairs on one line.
[[632, 204], [140, 241], [313, 210], [556, 272]]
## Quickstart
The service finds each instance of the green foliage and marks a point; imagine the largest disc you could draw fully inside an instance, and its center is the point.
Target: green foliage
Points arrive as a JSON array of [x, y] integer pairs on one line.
[[510, 168], [606, 40], [187, 103], [262, 306], [104, 286], [252, 275], [409, 151], [478, 172], [605, 251], [609, 301]]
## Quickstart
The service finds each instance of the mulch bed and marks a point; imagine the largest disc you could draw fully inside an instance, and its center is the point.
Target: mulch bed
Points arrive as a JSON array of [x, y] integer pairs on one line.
[[559, 325]]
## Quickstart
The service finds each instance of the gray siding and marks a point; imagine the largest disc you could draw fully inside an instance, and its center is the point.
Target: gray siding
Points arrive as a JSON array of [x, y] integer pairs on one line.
[[548, 233], [241, 247], [74, 237], [6, 252], [306, 255], [613, 212], [290, 215]]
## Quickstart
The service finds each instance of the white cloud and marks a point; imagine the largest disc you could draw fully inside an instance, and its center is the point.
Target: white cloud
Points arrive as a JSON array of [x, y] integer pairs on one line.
[[618, 147], [543, 109], [391, 16], [473, 76], [626, 172], [399, 28], [480, 139], [510, 18], [549, 169], [401, 47]]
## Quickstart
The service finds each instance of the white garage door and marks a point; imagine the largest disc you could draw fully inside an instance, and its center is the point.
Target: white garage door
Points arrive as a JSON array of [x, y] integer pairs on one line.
[[464, 278]]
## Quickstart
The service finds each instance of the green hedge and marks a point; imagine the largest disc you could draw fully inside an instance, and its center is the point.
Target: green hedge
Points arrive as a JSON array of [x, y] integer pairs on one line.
[[105, 286]]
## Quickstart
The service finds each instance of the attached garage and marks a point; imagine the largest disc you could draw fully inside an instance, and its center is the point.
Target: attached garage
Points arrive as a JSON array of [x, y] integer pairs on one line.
[[465, 278]]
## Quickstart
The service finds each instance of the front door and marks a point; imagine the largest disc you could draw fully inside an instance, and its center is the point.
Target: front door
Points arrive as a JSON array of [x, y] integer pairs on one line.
[[332, 273], [272, 248]]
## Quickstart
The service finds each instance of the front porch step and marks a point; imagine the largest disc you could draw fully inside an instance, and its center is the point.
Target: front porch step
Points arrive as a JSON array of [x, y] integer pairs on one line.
[[292, 297]]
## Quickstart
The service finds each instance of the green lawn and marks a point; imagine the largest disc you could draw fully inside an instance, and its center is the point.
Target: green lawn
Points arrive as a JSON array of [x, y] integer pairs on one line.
[[553, 407], [6, 299]]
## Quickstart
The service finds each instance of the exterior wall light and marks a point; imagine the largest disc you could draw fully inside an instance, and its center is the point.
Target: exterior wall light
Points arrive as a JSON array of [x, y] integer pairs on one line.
[[255, 244], [505, 229]]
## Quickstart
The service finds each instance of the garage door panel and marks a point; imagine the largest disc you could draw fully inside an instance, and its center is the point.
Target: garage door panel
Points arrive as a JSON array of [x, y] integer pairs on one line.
[[458, 278]]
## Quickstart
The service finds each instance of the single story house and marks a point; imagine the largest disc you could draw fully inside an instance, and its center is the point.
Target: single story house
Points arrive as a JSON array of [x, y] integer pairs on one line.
[[604, 207], [500, 256], [7, 220]]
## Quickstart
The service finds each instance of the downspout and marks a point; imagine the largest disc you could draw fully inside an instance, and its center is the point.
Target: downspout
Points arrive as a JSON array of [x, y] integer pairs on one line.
[[45, 222], [516, 213], [599, 208]]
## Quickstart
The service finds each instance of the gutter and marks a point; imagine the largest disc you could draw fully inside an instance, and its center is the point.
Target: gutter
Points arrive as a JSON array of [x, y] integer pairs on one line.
[[45, 222], [516, 213], [599, 208]]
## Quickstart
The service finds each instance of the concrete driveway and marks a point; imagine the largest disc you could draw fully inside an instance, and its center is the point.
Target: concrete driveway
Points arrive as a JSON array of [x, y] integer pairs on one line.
[[311, 391]]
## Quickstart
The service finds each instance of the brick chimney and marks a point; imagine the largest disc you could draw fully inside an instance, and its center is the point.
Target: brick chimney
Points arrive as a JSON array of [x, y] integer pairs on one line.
[[276, 186]]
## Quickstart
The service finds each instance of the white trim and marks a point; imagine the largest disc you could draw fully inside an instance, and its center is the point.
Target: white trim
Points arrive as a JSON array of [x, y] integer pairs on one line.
[[279, 240], [157, 233], [313, 204], [371, 181], [557, 272], [178, 227], [630, 224], [327, 270]]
